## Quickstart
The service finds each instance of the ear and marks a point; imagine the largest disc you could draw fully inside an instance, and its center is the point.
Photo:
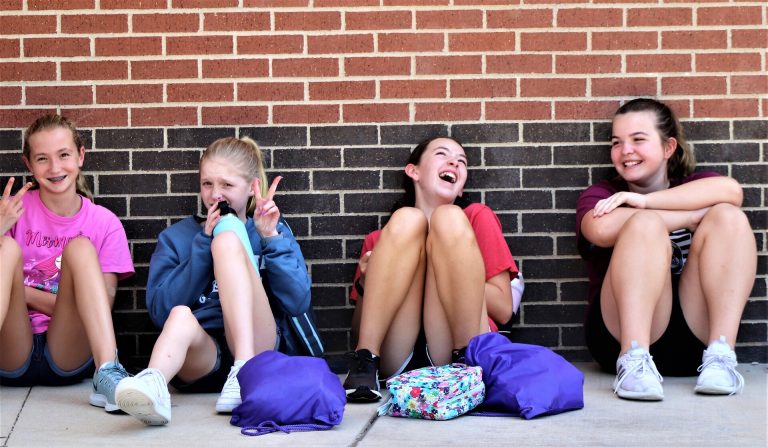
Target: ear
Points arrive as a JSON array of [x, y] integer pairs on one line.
[[669, 147], [412, 171], [80, 156], [254, 185], [26, 163]]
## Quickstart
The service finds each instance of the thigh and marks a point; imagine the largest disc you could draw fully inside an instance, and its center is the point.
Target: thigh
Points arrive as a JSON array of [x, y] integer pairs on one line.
[[211, 378], [436, 326], [16, 332], [399, 341]]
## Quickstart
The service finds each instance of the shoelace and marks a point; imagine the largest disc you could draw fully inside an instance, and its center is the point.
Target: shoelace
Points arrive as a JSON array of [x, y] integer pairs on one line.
[[360, 362], [111, 375], [727, 363], [639, 366]]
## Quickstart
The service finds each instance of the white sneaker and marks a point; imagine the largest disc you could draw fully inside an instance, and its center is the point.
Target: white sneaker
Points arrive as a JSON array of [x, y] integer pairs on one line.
[[230, 393], [718, 370], [145, 397], [637, 376]]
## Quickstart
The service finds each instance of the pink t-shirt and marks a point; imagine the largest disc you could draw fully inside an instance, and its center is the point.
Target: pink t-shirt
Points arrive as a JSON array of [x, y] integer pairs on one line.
[[42, 236]]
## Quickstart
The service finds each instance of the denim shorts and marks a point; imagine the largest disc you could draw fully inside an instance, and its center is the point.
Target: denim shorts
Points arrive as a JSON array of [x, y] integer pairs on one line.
[[39, 369]]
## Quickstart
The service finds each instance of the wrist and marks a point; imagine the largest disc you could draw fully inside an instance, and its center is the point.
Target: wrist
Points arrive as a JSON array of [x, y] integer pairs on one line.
[[267, 239]]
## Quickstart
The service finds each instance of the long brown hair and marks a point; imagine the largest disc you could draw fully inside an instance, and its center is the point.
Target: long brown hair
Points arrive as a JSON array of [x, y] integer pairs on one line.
[[245, 154]]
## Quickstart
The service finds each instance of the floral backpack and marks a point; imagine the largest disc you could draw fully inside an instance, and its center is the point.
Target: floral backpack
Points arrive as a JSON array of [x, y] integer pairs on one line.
[[435, 392]]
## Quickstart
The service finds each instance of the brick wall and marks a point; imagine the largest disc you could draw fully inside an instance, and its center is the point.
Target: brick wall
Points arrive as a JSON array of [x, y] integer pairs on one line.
[[338, 91]]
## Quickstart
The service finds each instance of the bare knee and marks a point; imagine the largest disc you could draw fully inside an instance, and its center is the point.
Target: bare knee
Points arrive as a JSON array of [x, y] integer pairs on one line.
[[77, 248], [645, 224], [406, 224], [450, 223], [180, 316], [726, 216], [225, 242]]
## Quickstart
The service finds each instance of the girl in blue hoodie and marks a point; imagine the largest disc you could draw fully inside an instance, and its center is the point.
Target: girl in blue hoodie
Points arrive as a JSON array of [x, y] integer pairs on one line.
[[213, 305]]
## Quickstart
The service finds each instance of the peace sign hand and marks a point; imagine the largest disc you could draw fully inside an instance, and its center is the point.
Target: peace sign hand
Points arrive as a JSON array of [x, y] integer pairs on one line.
[[11, 208], [266, 214]]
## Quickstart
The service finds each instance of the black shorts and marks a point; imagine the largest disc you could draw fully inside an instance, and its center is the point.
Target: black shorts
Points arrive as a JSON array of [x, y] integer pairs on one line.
[[214, 380], [39, 369], [676, 353]]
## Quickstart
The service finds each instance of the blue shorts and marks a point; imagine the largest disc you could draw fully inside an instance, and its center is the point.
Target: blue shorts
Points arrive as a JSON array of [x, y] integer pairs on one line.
[[39, 369]]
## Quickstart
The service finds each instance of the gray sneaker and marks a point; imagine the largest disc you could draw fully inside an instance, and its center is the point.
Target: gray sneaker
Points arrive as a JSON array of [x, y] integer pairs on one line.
[[105, 380]]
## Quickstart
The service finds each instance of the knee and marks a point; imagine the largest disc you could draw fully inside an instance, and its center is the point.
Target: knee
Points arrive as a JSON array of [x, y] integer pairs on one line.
[[449, 222], [79, 247], [725, 215], [225, 242], [179, 316], [407, 224], [646, 224]]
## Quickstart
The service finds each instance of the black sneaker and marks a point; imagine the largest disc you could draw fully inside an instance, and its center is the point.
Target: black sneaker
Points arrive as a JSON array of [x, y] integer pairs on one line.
[[459, 355], [362, 382]]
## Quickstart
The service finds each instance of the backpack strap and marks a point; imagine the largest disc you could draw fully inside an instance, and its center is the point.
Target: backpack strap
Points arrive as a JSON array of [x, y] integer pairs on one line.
[[271, 427]]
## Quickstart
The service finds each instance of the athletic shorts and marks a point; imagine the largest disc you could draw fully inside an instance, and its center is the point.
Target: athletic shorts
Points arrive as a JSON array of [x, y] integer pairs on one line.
[[676, 353], [39, 369]]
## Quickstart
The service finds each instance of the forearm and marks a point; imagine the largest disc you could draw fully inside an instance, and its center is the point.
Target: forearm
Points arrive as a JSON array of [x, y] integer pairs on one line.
[[40, 300], [698, 194], [604, 230], [498, 297]]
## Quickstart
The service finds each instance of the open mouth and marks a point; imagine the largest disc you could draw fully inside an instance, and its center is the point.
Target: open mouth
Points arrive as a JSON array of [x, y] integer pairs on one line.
[[449, 177], [629, 164], [57, 179]]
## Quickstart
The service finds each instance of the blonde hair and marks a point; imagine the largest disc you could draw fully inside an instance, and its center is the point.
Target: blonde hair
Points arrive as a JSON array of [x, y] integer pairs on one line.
[[245, 154], [47, 122]]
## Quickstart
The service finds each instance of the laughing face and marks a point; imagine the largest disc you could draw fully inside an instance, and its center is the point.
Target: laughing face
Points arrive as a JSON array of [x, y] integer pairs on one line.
[[441, 173], [637, 151], [54, 160]]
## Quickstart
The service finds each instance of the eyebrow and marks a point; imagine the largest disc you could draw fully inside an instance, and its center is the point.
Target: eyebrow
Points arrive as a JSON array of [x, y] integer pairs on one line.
[[631, 135], [449, 150]]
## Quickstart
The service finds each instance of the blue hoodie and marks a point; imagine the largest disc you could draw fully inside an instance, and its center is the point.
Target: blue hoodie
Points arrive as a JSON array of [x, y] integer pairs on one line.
[[181, 274]]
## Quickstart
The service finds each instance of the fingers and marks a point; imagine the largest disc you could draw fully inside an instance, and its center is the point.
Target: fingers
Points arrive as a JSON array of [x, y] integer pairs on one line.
[[273, 187], [8, 187]]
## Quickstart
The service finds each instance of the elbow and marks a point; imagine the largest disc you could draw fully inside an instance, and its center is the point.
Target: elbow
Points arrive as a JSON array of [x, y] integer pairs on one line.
[[735, 193]]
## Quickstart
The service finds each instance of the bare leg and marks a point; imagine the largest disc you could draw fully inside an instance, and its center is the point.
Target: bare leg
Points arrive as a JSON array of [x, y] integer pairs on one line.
[[454, 309], [636, 298], [15, 331], [248, 320], [719, 274], [82, 317]]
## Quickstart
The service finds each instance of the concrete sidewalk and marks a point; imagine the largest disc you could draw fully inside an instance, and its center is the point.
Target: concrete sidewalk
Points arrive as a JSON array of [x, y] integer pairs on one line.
[[51, 417]]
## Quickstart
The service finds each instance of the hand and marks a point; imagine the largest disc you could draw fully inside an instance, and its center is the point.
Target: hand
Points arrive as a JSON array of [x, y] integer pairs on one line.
[[363, 266], [266, 214], [214, 215], [11, 208], [609, 204]]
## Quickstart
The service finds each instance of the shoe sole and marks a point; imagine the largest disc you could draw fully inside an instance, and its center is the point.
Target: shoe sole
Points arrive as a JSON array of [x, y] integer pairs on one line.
[[635, 395], [141, 406], [226, 407], [714, 390], [362, 395]]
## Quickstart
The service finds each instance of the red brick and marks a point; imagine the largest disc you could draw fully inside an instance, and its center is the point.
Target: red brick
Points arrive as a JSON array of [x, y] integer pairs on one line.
[[27, 71], [486, 2], [589, 18], [166, 23], [236, 21], [729, 15], [343, 43], [449, 19], [57, 47], [200, 92], [305, 67], [344, 3], [94, 23], [235, 68], [624, 86], [11, 5], [39, 5], [376, 113], [587, 63], [164, 69], [731, 62], [625, 40], [549, 88], [413, 88], [60, 94], [10, 48], [483, 88], [694, 39], [98, 117], [517, 110], [197, 45], [416, 2], [305, 114], [581, 110], [659, 17], [276, 3], [10, 25], [681, 107], [693, 85], [270, 91], [10, 96], [164, 116], [553, 41], [440, 65], [749, 38], [520, 18], [128, 46], [341, 90], [547, 2], [377, 20], [481, 42], [749, 84], [205, 3], [410, 42], [21, 118], [133, 4], [94, 70], [272, 44], [726, 108], [448, 111], [519, 63], [377, 66], [308, 21], [235, 115], [652, 63], [129, 93]]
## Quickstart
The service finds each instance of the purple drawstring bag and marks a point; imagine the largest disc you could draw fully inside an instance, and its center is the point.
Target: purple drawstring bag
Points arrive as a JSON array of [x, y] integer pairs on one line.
[[524, 380], [287, 393]]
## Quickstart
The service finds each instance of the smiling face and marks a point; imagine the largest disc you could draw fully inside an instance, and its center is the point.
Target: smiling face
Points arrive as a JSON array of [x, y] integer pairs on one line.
[[441, 172], [54, 160], [222, 180], [638, 152]]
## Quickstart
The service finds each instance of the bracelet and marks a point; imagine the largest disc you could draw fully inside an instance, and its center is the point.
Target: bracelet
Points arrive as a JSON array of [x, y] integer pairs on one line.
[[359, 287]]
